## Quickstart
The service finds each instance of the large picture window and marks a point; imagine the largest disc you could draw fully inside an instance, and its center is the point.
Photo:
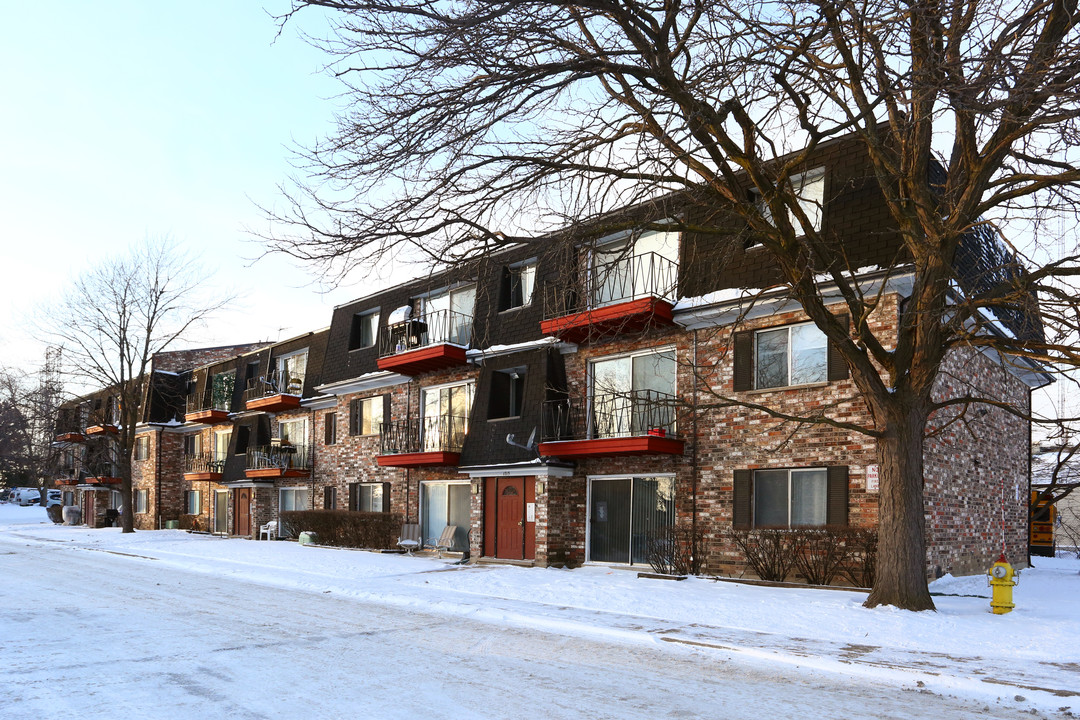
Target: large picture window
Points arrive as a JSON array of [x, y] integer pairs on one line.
[[292, 499], [446, 416], [627, 269], [192, 502], [370, 497], [790, 498], [292, 370]]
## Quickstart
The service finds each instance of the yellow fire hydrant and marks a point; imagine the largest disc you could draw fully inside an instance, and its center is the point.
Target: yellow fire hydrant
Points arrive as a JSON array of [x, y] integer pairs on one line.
[[1002, 578]]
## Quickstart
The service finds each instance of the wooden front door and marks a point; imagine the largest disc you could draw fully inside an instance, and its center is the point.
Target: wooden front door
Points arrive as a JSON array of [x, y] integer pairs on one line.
[[510, 519], [89, 519], [243, 512]]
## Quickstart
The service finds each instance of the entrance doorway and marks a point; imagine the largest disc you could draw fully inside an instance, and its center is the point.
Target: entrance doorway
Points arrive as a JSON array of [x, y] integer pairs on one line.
[[243, 512], [624, 513], [509, 522], [221, 511]]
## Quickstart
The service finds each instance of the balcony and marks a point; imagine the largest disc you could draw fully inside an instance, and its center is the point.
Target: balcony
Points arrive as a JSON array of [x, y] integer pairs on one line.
[[278, 459], [101, 430], [205, 466], [102, 480], [204, 408], [273, 396], [422, 442], [69, 438], [637, 422], [628, 295], [433, 341]]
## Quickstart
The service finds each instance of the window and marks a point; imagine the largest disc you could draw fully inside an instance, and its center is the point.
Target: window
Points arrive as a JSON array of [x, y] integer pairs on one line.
[[445, 416], [442, 504], [69, 498], [790, 498], [251, 372], [292, 370], [192, 502], [809, 188], [142, 447], [364, 330], [142, 501], [628, 269], [518, 283], [329, 501], [448, 315], [221, 390], [369, 497], [193, 445], [366, 415], [222, 439], [792, 355], [507, 390], [243, 438], [293, 432], [633, 394], [623, 512], [330, 428], [115, 500], [292, 499]]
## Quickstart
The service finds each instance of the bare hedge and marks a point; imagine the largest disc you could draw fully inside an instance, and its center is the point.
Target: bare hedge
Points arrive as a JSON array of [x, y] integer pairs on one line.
[[345, 528], [820, 555]]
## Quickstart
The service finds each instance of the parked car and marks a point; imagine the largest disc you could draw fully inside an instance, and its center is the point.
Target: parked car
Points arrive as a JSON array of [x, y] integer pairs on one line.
[[27, 496], [54, 497]]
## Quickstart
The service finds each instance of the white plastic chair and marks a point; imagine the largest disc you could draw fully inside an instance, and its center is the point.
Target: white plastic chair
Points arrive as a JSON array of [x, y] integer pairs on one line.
[[268, 531]]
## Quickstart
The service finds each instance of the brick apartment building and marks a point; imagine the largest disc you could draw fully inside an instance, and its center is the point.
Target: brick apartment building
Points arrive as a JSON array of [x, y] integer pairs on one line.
[[558, 406]]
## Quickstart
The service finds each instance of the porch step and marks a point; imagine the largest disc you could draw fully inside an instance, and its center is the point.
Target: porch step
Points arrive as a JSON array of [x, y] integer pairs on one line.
[[502, 561]]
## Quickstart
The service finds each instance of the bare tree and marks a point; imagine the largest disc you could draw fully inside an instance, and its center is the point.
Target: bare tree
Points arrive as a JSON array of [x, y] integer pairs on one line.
[[28, 405], [115, 317], [476, 124]]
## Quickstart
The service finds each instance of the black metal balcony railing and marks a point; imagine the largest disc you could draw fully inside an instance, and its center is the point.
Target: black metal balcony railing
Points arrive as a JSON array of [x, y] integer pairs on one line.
[[609, 415], [198, 402], [273, 385], [436, 327], [204, 463], [279, 456], [416, 435], [631, 277]]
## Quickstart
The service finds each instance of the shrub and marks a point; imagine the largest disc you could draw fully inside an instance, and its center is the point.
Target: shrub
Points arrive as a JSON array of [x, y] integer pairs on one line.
[[820, 553], [861, 567], [192, 522], [675, 550], [344, 528], [55, 513], [767, 552]]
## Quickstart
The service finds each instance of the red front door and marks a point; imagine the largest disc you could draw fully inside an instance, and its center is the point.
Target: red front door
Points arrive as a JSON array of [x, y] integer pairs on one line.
[[243, 512], [510, 513]]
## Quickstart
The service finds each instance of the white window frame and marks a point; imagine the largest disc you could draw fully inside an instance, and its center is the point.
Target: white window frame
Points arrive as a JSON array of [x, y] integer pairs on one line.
[[789, 355], [520, 269], [280, 363], [364, 317], [591, 374], [360, 495], [141, 500], [365, 407], [141, 440], [291, 422], [223, 455], [812, 206], [188, 495], [790, 471], [293, 490], [588, 511]]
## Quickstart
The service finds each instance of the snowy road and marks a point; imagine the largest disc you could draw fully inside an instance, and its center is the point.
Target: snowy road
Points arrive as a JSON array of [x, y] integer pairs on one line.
[[95, 634]]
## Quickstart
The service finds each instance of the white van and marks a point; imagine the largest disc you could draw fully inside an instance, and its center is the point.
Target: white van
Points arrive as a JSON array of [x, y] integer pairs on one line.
[[27, 496]]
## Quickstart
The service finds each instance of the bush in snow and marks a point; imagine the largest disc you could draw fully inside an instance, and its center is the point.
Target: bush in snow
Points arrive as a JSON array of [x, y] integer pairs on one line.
[[675, 550], [344, 528], [767, 552], [819, 554]]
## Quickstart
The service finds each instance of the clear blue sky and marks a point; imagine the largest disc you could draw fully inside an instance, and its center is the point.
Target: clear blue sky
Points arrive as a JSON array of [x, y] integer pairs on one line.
[[122, 119]]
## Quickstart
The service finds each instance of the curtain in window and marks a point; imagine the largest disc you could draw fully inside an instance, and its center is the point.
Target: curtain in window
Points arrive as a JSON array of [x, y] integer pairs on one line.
[[809, 492], [653, 508]]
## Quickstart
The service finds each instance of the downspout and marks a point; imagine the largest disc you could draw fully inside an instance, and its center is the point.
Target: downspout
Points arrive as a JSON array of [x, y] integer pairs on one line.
[[694, 455], [157, 478], [311, 459], [1027, 525]]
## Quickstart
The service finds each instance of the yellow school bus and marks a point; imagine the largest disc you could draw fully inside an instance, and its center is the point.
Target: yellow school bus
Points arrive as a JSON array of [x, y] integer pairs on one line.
[[1043, 517]]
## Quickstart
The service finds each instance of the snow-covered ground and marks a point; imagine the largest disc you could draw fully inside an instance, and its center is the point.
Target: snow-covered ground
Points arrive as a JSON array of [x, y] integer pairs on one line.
[[1028, 659]]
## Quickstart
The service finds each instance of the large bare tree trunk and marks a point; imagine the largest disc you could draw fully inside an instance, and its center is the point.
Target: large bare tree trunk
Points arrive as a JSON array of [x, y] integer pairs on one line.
[[901, 560]]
